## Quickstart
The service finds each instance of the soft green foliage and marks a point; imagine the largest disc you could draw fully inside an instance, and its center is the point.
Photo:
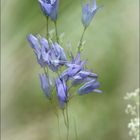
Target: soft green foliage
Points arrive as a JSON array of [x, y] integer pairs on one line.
[[113, 52]]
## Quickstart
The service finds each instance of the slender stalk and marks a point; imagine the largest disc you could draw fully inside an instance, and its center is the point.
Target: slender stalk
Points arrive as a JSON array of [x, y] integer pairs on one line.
[[81, 39], [56, 31], [57, 116], [67, 114], [75, 128], [65, 121], [58, 127], [47, 27]]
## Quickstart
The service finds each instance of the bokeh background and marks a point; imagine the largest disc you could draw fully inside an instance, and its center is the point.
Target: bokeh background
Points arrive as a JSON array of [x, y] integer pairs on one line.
[[112, 51]]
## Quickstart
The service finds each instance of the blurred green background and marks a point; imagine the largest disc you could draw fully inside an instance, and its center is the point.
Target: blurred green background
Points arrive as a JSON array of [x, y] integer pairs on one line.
[[112, 51]]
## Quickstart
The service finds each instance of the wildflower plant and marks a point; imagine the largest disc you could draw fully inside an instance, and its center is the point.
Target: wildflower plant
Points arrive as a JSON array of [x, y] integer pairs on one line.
[[133, 110], [52, 58]]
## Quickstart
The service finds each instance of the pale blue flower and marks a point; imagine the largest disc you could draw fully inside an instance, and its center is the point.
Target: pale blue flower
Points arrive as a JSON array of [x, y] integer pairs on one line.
[[50, 8], [62, 91], [88, 11], [46, 85], [36, 45], [83, 76], [91, 86], [54, 10], [53, 56], [45, 7]]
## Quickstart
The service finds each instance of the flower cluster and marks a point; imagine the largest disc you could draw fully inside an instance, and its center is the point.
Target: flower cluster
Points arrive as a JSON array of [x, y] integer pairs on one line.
[[133, 109], [52, 58]]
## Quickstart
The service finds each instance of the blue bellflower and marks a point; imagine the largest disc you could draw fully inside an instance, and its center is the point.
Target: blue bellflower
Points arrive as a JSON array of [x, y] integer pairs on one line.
[[83, 76], [62, 91], [53, 56], [50, 8], [46, 85], [54, 10], [35, 44], [88, 12], [77, 74], [45, 7], [88, 87]]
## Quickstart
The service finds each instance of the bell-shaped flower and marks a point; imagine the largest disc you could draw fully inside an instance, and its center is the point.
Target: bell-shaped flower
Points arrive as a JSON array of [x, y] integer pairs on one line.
[[62, 91], [88, 87], [88, 11], [50, 8], [46, 85], [45, 7], [83, 76], [53, 56], [54, 10], [36, 45], [74, 69]]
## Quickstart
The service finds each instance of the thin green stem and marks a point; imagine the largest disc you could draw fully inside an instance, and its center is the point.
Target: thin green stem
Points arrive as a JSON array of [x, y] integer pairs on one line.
[[57, 116], [47, 27], [58, 127], [81, 39], [63, 112], [75, 128], [67, 114], [56, 32]]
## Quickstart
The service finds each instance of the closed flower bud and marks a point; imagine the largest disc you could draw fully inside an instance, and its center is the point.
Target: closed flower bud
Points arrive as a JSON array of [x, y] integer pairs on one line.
[[62, 92], [46, 85]]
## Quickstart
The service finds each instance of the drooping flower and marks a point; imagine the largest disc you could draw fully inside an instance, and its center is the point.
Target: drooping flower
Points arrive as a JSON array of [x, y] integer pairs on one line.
[[78, 74], [36, 45], [46, 85], [82, 77], [50, 8], [62, 91], [88, 87], [53, 56], [74, 69], [88, 12]]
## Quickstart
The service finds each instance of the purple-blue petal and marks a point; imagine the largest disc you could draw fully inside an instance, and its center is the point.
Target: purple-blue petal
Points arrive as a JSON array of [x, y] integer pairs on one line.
[[85, 74], [45, 85], [61, 91], [88, 87], [46, 7], [44, 43], [88, 12], [54, 10], [35, 45]]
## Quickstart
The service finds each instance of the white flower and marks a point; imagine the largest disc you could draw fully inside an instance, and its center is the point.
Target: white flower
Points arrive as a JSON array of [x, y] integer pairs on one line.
[[133, 109]]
